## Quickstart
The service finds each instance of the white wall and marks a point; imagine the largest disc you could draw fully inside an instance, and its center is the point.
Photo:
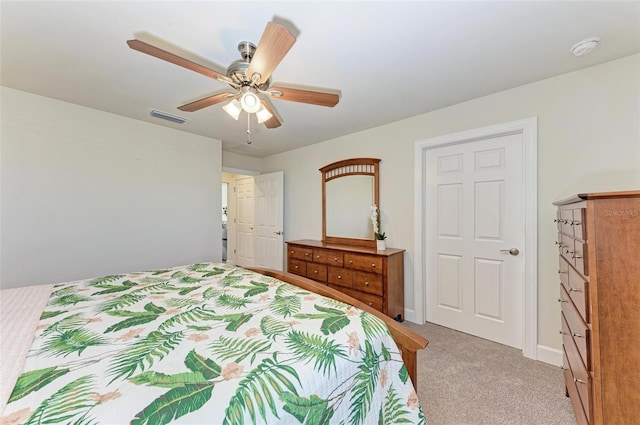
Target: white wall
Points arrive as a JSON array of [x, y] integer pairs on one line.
[[588, 140], [87, 193]]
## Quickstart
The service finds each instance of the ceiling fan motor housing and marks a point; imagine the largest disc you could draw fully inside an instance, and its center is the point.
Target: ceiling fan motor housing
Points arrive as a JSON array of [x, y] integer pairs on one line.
[[237, 71]]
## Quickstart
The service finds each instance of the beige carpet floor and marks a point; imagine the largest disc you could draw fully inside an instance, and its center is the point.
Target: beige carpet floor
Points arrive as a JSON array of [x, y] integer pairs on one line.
[[468, 380]]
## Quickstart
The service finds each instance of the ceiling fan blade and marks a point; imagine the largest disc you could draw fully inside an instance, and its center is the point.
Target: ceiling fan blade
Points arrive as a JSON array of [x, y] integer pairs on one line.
[[305, 96], [157, 52], [274, 121], [196, 105], [273, 46]]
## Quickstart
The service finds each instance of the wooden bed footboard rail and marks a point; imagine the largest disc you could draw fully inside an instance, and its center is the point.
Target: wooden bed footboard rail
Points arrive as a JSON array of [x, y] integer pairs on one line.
[[407, 340]]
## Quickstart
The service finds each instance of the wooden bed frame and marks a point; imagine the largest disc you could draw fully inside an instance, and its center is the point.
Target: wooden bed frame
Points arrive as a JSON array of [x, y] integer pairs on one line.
[[407, 340]]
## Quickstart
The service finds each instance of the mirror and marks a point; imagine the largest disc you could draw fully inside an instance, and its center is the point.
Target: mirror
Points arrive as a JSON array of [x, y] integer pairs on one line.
[[349, 189]]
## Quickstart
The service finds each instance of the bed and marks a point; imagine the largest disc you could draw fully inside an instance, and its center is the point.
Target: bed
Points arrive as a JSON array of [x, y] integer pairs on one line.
[[203, 344]]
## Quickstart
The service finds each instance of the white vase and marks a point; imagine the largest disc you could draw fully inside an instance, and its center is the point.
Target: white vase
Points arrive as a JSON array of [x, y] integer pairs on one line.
[[381, 244]]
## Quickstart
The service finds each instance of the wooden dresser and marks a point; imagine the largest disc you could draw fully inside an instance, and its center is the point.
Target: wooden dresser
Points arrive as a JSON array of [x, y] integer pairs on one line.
[[599, 270], [373, 277]]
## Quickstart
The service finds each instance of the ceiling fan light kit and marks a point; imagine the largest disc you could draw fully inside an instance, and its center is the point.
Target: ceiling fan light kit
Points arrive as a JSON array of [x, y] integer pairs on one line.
[[249, 77]]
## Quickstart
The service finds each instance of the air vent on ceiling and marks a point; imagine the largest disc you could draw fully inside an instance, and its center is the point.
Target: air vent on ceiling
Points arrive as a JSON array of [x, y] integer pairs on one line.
[[245, 147], [168, 117]]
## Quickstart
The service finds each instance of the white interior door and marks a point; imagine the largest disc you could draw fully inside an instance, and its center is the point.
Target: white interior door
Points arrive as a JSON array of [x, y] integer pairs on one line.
[[269, 220], [245, 213], [474, 214]]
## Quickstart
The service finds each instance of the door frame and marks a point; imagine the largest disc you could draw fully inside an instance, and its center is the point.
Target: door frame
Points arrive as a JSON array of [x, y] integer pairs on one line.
[[528, 128]]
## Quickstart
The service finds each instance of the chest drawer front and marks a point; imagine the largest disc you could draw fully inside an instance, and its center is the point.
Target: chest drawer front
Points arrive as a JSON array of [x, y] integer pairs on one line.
[[580, 257], [578, 289], [368, 299], [341, 277], [578, 332], [368, 282], [579, 407], [579, 216], [567, 249], [365, 263], [328, 256], [297, 267], [317, 272], [300, 253]]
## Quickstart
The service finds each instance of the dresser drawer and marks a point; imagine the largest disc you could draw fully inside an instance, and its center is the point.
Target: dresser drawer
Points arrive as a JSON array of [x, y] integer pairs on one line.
[[578, 289], [368, 299], [317, 272], [341, 277], [328, 256], [368, 282], [563, 271], [580, 257], [579, 408], [578, 332], [365, 263], [579, 216], [567, 249], [297, 267], [300, 253]]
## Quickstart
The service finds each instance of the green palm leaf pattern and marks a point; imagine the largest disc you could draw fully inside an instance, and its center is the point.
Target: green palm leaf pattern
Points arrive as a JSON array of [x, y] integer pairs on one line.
[[231, 301], [157, 379], [142, 353], [105, 279], [334, 319], [257, 389], [194, 315], [69, 299], [309, 411], [285, 306], [34, 380], [230, 280], [138, 319], [174, 404], [109, 289], [239, 348], [212, 292], [255, 288], [307, 347], [121, 301], [49, 314], [373, 327], [366, 381], [200, 364], [199, 267], [69, 404], [68, 323], [393, 411], [71, 341], [273, 328]]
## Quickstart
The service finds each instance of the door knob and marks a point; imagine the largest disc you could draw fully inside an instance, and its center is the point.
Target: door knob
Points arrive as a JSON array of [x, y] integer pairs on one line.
[[512, 251], [278, 233]]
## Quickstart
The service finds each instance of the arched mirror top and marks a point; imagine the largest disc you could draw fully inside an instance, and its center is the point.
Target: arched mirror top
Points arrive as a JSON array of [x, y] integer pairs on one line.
[[349, 189]]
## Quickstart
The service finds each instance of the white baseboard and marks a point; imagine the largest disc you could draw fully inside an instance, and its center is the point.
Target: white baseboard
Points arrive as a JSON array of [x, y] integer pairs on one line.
[[549, 355], [410, 315]]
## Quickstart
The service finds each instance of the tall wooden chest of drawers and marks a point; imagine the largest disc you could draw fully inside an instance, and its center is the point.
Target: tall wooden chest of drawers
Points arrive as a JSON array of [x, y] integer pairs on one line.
[[599, 270], [374, 277]]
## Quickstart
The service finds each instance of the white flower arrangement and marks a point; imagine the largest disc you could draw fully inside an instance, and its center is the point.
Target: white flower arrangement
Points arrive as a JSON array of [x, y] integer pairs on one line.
[[375, 221]]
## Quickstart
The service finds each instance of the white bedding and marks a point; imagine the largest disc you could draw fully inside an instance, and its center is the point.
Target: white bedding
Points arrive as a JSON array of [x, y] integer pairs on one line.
[[20, 310]]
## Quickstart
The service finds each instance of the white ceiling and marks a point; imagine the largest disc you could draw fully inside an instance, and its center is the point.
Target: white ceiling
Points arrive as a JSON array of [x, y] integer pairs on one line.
[[390, 60]]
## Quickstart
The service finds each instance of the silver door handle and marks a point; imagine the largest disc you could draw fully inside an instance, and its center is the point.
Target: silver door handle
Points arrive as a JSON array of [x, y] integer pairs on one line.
[[278, 233], [512, 251]]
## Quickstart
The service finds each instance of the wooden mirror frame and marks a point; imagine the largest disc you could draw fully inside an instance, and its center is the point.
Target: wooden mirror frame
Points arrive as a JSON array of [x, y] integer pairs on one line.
[[344, 168]]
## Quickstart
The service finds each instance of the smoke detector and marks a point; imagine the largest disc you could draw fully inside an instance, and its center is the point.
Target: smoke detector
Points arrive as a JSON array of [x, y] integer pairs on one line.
[[585, 46]]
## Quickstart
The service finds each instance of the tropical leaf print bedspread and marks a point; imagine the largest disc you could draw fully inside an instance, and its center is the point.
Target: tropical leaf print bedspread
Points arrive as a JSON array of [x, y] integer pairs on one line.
[[208, 344]]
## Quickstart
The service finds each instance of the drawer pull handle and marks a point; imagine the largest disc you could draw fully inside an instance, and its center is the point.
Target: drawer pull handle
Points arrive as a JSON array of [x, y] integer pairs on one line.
[[317, 256], [575, 290], [335, 259], [339, 276], [577, 335], [370, 304], [576, 256], [373, 265], [562, 367], [306, 254], [296, 267], [555, 220], [578, 380], [561, 272], [366, 284], [561, 332], [560, 300], [575, 223], [350, 261], [293, 252], [560, 244], [315, 271]]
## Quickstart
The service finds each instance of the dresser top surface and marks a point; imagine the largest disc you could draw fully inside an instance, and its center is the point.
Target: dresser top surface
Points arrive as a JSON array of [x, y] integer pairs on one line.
[[598, 195], [347, 248]]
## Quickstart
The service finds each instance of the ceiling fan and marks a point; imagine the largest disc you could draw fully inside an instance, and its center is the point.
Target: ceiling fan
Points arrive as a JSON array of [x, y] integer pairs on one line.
[[249, 77]]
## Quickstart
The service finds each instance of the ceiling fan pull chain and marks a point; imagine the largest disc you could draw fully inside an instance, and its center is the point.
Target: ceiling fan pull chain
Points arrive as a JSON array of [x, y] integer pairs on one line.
[[248, 129]]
